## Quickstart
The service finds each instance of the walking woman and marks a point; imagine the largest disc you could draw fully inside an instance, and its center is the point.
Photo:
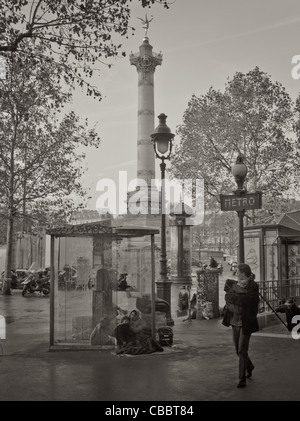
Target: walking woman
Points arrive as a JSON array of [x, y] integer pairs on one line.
[[242, 298]]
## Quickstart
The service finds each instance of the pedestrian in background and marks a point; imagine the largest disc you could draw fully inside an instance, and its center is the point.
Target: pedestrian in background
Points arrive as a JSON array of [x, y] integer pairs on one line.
[[212, 262], [242, 298], [233, 267], [14, 278], [290, 309]]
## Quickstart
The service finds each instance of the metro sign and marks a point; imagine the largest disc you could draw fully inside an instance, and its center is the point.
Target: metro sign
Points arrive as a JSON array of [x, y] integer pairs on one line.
[[242, 202]]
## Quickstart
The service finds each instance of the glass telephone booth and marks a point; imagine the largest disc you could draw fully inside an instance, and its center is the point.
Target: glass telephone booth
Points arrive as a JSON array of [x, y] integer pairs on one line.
[[99, 274]]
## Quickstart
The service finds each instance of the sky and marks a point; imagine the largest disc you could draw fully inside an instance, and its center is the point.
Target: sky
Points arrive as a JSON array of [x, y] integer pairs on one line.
[[203, 43]]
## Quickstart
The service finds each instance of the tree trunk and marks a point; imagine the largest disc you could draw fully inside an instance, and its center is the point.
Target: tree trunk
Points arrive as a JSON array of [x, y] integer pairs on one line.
[[11, 215], [9, 255]]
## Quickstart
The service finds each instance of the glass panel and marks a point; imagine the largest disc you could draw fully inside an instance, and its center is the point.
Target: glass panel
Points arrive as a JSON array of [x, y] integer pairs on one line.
[[100, 285], [133, 301], [73, 291]]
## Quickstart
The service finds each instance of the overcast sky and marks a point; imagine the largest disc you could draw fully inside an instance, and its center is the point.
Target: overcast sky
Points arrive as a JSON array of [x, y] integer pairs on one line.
[[203, 44]]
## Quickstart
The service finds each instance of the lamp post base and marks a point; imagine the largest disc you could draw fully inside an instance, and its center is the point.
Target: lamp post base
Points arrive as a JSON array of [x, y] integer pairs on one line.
[[241, 254], [163, 288]]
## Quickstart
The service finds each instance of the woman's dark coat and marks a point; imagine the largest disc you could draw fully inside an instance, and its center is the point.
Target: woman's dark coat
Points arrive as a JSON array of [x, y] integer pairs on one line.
[[249, 303]]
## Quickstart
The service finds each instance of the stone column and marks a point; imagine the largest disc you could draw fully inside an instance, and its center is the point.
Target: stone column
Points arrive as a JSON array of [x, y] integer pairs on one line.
[[145, 62]]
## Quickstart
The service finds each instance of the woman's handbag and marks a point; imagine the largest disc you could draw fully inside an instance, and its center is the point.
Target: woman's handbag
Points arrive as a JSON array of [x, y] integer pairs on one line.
[[226, 316]]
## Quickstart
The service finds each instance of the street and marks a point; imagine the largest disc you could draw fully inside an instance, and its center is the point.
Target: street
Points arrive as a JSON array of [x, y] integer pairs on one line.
[[200, 366]]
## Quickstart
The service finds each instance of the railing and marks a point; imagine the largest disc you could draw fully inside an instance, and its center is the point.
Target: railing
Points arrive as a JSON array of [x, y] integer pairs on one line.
[[277, 291]]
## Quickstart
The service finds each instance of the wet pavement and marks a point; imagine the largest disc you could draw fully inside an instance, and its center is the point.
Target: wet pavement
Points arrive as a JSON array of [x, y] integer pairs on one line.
[[200, 366]]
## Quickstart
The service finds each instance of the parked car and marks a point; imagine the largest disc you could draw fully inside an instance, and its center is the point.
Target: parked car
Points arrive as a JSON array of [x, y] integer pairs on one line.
[[230, 258]]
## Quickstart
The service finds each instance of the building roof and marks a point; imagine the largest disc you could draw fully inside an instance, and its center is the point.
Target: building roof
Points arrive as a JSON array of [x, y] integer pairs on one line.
[[102, 228], [287, 225], [290, 220]]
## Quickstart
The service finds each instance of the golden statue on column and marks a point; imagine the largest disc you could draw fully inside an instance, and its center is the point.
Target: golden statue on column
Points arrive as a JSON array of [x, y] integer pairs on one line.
[[146, 22]]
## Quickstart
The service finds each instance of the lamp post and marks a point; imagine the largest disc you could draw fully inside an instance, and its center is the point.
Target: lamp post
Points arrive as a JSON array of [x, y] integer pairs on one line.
[[239, 171], [162, 139]]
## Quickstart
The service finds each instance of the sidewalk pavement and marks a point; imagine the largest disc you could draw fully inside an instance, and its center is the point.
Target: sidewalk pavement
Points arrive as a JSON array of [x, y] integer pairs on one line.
[[200, 366]]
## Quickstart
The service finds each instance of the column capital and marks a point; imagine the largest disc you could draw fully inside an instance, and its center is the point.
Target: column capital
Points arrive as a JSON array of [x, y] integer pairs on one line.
[[145, 63]]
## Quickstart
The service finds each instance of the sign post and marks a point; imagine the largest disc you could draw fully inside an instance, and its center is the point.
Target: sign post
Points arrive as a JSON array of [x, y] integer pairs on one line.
[[239, 202]]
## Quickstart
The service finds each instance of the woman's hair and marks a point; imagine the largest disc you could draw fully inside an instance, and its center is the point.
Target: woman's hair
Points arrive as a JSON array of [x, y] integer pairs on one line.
[[244, 268]]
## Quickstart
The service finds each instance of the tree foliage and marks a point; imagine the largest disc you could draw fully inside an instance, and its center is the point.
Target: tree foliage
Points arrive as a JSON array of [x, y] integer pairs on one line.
[[40, 159], [218, 232], [75, 35], [39, 150], [254, 117]]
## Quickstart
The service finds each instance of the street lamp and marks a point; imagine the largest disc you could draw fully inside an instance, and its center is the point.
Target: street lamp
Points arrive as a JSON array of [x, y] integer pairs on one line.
[[239, 171], [162, 139]]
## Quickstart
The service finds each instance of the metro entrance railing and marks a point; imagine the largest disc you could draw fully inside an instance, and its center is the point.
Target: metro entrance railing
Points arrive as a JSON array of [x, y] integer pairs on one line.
[[275, 292]]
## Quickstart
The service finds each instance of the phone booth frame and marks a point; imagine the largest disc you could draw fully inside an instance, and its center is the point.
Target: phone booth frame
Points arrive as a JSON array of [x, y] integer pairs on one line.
[[96, 230]]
